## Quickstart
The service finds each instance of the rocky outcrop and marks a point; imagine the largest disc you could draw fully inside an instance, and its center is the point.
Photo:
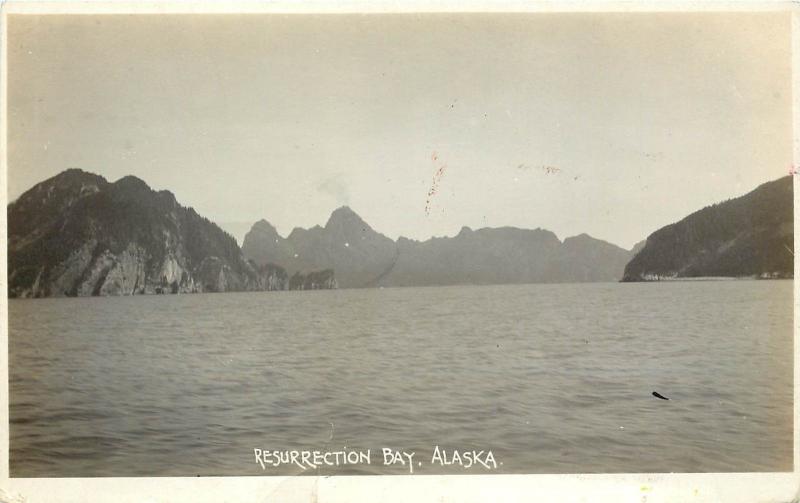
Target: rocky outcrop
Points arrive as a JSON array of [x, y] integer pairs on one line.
[[320, 280], [78, 235], [750, 236], [362, 257]]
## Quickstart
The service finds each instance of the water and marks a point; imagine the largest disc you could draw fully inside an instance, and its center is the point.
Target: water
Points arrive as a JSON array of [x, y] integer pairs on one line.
[[550, 378]]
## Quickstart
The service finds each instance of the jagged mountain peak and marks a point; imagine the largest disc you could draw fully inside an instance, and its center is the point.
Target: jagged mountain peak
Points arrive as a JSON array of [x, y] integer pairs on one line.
[[72, 180], [264, 227], [344, 216], [132, 182], [75, 174]]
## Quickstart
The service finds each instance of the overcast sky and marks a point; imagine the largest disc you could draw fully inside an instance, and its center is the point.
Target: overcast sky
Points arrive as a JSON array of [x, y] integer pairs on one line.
[[611, 124]]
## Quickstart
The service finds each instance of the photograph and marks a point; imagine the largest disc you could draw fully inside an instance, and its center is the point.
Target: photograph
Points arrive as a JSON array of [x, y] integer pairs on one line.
[[413, 243]]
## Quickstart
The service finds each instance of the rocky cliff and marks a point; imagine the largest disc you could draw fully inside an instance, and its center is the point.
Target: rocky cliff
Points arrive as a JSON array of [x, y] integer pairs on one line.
[[76, 234], [362, 257], [750, 236], [319, 280]]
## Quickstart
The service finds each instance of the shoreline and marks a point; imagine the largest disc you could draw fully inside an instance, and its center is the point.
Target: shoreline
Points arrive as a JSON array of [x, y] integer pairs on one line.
[[660, 280]]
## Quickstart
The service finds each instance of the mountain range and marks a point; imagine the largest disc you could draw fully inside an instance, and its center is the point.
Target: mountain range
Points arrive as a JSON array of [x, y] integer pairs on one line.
[[77, 234], [362, 257]]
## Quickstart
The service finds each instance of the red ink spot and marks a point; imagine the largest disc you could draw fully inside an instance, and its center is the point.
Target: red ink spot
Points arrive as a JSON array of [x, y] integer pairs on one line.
[[434, 184]]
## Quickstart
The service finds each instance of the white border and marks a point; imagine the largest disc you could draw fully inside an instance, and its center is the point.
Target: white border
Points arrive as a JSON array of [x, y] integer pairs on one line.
[[386, 6], [641, 488]]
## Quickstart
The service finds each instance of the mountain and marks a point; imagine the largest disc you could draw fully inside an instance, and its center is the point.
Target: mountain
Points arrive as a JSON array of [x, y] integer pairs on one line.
[[362, 257], [752, 235], [586, 259], [347, 245], [638, 247], [485, 256], [503, 256], [76, 234]]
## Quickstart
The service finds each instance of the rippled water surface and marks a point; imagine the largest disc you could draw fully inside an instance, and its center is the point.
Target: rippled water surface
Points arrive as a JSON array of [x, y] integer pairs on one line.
[[551, 378]]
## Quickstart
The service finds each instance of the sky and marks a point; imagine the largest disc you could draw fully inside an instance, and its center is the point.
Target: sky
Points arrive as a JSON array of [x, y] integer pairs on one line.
[[610, 124]]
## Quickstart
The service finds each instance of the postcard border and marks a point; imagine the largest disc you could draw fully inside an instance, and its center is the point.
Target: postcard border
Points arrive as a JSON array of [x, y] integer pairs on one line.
[[644, 488]]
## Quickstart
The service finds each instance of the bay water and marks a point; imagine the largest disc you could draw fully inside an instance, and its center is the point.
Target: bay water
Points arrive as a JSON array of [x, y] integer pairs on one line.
[[549, 378]]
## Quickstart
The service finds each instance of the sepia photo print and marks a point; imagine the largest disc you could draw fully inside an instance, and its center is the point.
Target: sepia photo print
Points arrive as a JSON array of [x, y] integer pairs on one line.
[[420, 243]]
